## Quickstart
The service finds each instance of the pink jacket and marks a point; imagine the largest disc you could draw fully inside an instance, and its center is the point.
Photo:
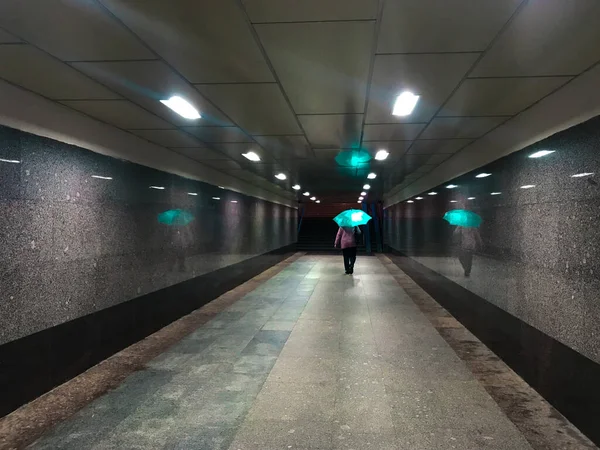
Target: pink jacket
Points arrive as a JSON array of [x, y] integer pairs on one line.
[[345, 237]]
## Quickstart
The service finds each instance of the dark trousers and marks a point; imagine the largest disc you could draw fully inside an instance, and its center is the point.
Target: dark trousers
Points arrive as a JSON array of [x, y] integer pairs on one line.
[[349, 258], [466, 260]]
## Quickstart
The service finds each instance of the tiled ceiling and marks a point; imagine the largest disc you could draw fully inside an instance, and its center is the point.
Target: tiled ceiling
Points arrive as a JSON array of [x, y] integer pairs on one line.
[[298, 82]]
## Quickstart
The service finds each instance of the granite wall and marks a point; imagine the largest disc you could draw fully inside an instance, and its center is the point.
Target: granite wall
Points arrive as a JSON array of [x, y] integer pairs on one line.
[[540, 253], [74, 242]]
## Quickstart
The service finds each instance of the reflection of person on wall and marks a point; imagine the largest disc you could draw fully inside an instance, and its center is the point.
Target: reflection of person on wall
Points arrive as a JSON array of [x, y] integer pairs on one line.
[[181, 242], [468, 240]]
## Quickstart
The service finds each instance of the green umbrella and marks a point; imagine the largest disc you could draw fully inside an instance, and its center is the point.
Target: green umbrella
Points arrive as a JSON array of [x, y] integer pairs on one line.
[[352, 218], [463, 218], [175, 217]]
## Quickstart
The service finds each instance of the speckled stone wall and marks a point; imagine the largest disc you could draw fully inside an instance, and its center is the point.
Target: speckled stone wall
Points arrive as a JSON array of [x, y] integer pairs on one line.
[[72, 244], [540, 258]]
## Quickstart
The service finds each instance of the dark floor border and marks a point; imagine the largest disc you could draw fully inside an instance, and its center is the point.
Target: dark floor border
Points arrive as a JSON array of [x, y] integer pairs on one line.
[[35, 364], [566, 379]]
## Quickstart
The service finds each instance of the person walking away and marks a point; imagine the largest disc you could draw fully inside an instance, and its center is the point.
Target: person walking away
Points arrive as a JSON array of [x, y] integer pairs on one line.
[[346, 238], [469, 241]]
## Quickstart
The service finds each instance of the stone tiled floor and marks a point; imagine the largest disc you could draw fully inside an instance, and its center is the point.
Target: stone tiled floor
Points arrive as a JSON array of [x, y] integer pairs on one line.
[[310, 359]]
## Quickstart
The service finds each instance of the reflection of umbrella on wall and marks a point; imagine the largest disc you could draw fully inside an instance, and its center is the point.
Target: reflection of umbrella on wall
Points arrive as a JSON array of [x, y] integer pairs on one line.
[[175, 217], [352, 218], [463, 218]]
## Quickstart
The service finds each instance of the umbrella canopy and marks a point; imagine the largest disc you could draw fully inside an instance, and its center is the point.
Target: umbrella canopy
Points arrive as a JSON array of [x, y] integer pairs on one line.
[[175, 217], [351, 218], [463, 218]]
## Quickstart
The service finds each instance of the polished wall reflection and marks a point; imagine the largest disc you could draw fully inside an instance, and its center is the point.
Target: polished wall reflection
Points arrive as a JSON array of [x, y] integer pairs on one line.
[[80, 232], [536, 253]]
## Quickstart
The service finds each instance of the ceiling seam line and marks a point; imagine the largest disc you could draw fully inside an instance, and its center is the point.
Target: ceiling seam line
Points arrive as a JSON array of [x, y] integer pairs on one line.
[[184, 79], [502, 29], [310, 21]]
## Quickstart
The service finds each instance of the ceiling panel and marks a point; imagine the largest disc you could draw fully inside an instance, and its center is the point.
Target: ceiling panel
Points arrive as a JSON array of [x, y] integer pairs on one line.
[[72, 30], [323, 67], [35, 70], [392, 132], [207, 41], [439, 146], [218, 134], [121, 113], [147, 82], [235, 149], [499, 96], [257, 108], [7, 38], [168, 138], [460, 127], [285, 146], [548, 37], [326, 154], [433, 77], [200, 153], [420, 26], [332, 130], [309, 10], [222, 164], [437, 159]]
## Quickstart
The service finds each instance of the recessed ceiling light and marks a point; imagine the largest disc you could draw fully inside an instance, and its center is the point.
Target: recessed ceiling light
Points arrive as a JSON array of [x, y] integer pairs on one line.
[[296, 187], [160, 188], [251, 156], [452, 186], [361, 198], [528, 186], [381, 155], [363, 193], [372, 176], [471, 198], [182, 107], [100, 177], [233, 201], [281, 176], [419, 198], [318, 201], [306, 194], [359, 201], [483, 175], [192, 193], [409, 201], [216, 198], [583, 174], [453, 201], [405, 103], [541, 153], [313, 198], [12, 161], [496, 193], [432, 193], [366, 187]]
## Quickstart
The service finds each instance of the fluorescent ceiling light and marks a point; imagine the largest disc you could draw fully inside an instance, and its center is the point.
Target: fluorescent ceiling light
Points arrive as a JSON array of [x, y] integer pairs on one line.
[[496, 193], [281, 176], [216, 198], [405, 103], [471, 198], [160, 188], [366, 187], [100, 177], [313, 198], [453, 201], [221, 187], [296, 187], [251, 156], [432, 193], [372, 176], [419, 198], [233, 201], [306, 194], [409, 201], [12, 161], [363, 193], [381, 155], [528, 186], [483, 175], [182, 107], [318, 201], [192, 193], [583, 174], [541, 153], [452, 186]]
